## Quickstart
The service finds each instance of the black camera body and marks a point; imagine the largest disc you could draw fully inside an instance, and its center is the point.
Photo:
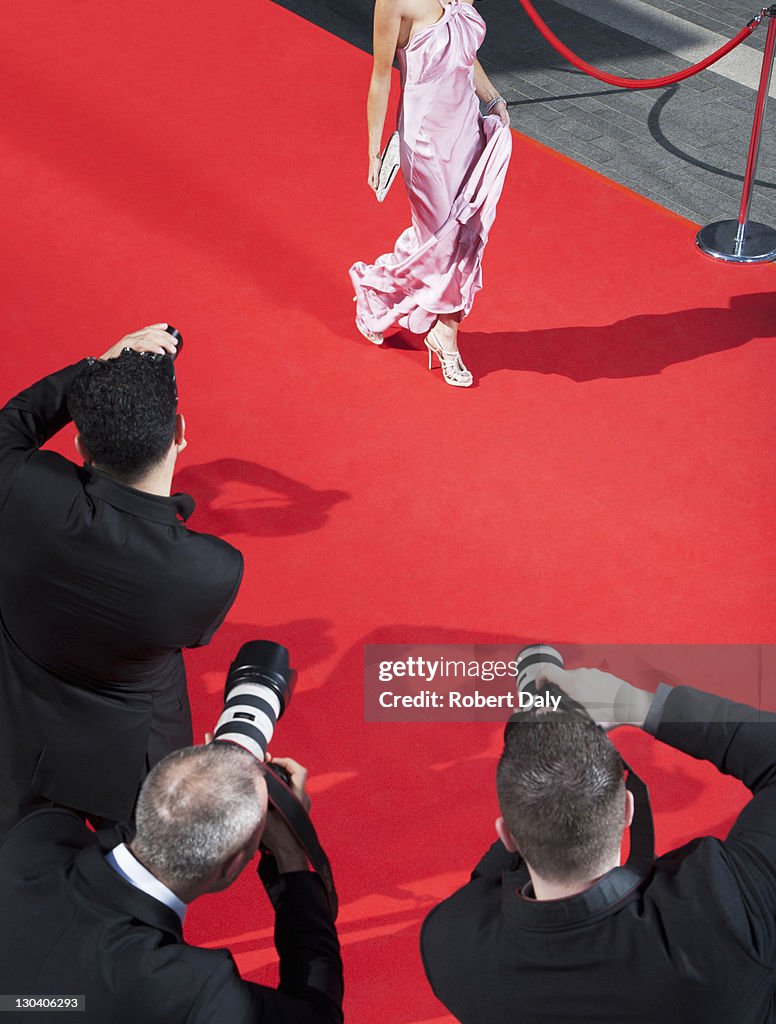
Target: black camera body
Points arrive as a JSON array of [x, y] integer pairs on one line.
[[157, 357], [177, 337]]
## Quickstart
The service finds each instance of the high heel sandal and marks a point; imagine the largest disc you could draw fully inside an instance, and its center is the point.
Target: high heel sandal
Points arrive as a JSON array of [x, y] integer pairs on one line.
[[374, 336], [453, 369]]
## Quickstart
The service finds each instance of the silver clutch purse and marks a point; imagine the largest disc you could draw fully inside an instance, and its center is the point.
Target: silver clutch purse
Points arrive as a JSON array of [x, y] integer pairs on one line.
[[389, 165]]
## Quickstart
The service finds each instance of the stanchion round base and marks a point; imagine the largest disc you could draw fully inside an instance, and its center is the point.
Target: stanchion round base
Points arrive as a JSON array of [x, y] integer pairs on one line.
[[719, 240]]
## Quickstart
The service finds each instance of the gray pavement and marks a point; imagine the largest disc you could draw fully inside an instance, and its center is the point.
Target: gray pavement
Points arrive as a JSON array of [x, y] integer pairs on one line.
[[683, 146]]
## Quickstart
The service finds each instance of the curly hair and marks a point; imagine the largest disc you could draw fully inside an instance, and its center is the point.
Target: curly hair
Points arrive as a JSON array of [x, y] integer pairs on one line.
[[561, 789], [124, 409]]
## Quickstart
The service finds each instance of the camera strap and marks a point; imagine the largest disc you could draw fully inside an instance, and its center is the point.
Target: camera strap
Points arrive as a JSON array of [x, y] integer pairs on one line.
[[285, 803], [642, 828]]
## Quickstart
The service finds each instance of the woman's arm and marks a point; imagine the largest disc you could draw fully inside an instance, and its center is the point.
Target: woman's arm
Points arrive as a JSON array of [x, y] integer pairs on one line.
[[387, 23], [486, 93]]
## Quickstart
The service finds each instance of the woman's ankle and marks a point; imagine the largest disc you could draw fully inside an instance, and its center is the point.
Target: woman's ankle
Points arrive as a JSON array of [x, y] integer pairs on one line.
[[446, 335]]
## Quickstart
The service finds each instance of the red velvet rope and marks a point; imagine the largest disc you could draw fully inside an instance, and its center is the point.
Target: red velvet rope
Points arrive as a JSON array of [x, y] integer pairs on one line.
[[635, 83]]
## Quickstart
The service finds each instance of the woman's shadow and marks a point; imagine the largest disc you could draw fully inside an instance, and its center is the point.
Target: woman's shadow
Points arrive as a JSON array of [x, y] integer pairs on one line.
[[637, 346], [235, 496]]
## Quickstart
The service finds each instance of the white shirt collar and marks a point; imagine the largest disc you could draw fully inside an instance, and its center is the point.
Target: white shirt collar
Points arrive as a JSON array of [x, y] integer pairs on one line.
[[131, 870]]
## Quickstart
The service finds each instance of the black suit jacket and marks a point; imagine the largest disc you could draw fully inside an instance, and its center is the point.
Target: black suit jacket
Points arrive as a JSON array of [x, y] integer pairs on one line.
[[101, 585], [73, 926], [694, 944]]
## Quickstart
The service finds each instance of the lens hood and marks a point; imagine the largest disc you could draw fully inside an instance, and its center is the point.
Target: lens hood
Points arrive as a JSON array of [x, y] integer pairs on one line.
[[265, 662]]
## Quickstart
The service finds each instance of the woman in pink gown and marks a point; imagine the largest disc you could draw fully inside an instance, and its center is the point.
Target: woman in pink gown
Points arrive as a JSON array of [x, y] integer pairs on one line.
[[453, 161]]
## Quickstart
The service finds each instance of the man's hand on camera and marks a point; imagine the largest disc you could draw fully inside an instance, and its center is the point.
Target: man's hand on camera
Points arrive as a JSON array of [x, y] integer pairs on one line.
[[278, 837], [608, 700], [148, 339]]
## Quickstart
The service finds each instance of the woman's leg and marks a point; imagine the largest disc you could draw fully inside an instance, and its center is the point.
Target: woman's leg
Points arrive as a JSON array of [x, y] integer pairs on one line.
[[446, 330], [442, 340]]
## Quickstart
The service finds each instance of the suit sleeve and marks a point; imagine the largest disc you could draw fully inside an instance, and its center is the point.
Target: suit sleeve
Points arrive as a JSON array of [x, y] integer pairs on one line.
[[31, 836], [483, 890], [311, 987], [232, 566], [496, 861], [30, 419], [740, 741]]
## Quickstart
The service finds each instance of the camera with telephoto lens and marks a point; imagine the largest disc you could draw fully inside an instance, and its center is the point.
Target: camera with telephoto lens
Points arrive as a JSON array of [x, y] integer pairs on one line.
[[258, 690], [530, 663], [177, 337]]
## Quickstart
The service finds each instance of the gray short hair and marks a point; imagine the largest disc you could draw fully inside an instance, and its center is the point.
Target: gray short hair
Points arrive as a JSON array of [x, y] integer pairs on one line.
[[197, 807]]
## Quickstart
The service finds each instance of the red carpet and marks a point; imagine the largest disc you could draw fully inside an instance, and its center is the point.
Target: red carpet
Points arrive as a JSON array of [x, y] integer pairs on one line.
[[608, 480]]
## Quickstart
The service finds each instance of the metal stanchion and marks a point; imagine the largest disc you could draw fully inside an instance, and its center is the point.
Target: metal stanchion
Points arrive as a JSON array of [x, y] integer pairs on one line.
[[745, 241]]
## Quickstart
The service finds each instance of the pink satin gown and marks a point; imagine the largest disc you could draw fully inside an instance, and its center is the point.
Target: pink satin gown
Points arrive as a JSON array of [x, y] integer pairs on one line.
[[453, 162]]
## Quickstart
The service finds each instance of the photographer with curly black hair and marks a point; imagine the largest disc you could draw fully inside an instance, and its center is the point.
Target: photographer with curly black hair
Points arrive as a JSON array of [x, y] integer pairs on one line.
[[101, 584]]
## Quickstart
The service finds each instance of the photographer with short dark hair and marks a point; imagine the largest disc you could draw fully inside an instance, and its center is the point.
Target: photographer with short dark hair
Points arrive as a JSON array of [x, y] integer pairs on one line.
[[551, 928], [101, 583], [85, 915]]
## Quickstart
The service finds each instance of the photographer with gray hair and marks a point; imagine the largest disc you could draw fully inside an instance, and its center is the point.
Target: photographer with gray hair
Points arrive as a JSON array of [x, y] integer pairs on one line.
[[551, 928], [83, 914]]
